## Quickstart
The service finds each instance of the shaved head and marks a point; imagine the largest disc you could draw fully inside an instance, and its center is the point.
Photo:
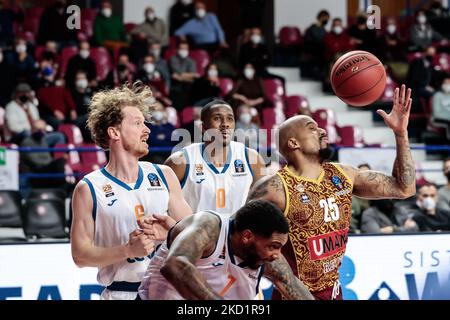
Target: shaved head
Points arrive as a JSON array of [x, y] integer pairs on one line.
[[289, 130]]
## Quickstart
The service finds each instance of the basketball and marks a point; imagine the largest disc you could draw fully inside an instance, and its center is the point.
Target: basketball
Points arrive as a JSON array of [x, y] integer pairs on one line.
[[358, 78]]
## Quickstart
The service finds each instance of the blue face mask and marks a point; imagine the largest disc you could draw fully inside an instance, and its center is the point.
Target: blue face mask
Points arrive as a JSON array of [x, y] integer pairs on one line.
[[47, 71]]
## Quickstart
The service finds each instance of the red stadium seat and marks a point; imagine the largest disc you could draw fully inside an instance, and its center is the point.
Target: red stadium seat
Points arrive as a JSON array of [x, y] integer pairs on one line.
[[88, 14], [441, 62], [294, 104], [273, 89], [72, 133], [34, 12], [31, 24], [413, 56], [269, 118], [226, 85], [66, 54], [326, 119], [94, 159], [129, 26], [73, 160], [169, 53], [102, 61], [388, 93], [187, 115], [290, 36], [201, 58], [351, 136]]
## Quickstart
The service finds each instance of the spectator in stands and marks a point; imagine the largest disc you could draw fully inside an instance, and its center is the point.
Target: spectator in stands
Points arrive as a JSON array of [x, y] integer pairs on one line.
[[444, 191], [337, 41], [421, 33], [48, 72], [184, 72], [42, 161], [204, 30], [7, 80], [358, 206], [247, 128], [50, 51], [81, 94], [249, 90], [425, 213], [226, 63], [255, 52], [152, 77], [179, 14], [384, 217], [252, 13], [206, 88], [363, 37], [314, 47], [8, 17], [153, 29], [81, 62], [109, 30], [391, 46], [22, 62], [439, 18], [441, 105], [53, 25], [121, 74], [160, 64], [160, 134]]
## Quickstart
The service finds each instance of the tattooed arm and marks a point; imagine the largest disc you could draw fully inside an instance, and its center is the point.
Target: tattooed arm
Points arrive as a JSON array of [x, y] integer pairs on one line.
[[402, 183], [269, 188], [197, 239], [280, 273]]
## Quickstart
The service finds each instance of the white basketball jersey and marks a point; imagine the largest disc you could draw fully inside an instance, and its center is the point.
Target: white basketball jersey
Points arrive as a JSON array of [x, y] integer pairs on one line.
[[207, 188], [117, 206], [221, 270]]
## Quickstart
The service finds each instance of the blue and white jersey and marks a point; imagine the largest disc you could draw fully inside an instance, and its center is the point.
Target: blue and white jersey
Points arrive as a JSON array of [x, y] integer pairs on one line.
[[206, 187], [116, 208]]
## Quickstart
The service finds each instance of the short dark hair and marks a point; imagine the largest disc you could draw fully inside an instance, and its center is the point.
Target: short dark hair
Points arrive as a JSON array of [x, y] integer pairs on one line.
[[206, 110], [323, 13], [262, 218], [446, 160]]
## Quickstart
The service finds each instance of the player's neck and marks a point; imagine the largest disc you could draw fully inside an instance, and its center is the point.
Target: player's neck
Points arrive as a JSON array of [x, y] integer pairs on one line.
[[216, 153], [306, 167], [125, 169]]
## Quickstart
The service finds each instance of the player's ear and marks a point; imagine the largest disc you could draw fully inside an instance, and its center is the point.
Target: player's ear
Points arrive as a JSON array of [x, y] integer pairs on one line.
[[113, 133], [293, 144], [247, 236]]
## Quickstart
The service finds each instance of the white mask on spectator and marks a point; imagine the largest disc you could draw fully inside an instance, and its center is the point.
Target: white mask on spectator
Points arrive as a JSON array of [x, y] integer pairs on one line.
[[84, 53], [107, 12], [249, 73], [149, 67], [158, 115], [21, 48], [213, 73], [245, 118], [200, 13], [151, 16], [422, 19], [256, 38], [156, 53], [183, 53], [81, 83], [338, 30], [446, 87], [391, 28], [428, 203]]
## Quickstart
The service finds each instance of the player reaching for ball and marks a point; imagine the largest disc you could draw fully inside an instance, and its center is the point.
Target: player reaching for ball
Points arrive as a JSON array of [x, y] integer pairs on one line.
[[316, 195]]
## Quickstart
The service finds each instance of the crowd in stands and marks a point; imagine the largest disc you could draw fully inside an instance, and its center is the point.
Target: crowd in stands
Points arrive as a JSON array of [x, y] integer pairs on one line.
[[49, 73]]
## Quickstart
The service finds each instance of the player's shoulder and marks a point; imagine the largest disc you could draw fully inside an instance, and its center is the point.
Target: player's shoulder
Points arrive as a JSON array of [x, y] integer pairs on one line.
[[346, 169]]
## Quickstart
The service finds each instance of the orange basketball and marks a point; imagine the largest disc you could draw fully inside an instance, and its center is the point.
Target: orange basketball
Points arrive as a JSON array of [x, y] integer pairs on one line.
[[358, 78]]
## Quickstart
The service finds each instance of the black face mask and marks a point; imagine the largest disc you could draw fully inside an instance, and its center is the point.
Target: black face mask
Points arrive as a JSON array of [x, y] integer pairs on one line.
[[324, 22], [23, 98], [429, 58]]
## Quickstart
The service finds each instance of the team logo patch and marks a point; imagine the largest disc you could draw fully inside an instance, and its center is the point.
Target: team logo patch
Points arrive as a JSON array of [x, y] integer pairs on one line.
[[199, 170], [107, 189], [239, 166], [154, 180], [337, 182], [304, 197], [300, 188]]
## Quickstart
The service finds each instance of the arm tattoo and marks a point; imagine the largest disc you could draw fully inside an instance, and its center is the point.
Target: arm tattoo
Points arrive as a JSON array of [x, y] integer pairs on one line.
[[280, 273], [264, 186], [187, 248], [404, 169]]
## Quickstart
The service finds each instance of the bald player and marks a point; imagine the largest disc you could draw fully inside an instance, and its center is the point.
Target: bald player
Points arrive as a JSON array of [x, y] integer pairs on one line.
[[316, 196]]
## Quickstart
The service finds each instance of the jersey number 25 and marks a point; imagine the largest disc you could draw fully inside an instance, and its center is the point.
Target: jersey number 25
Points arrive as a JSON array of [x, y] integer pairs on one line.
[[330, 208]]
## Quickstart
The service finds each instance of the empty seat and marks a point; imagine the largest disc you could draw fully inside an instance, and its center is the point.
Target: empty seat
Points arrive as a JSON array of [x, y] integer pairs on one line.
[[93, 159], [73, 159], [226, 85], [66, 54], [44, 194], [441, 62], [290, 36], [201, 58], [102, 61], [10, 208], [187, 115], [44, 218], [351, 136], [273, 89], [72, 133], [295, 104]]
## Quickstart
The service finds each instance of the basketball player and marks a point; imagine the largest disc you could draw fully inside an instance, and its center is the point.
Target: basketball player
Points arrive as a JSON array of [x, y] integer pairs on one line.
[[213, 256], [316, 196], [109, 203], [217, 174]]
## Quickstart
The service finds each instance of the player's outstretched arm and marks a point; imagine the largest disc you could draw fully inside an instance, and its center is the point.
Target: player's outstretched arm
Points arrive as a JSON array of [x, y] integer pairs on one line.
[[269, 188], [402, 183], [280, 273], [196, 240]]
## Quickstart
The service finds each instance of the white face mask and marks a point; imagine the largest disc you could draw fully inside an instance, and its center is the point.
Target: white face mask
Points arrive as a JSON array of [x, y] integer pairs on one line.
[[151, 16], [107, 12], [256, 38], [213, 73], [155, 53], [183, 53], [158, 115], [186, 2], [249, 73], [21, 48], [81, 83], [391, 28], [245, 118], [338, 29], [446, 87], [428, 203], [422, 19], [200, 13], [84, 53], [149, 67]]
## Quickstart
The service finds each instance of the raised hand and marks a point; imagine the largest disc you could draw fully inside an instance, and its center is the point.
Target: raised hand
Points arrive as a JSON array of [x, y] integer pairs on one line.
[[157, 226], [398, 118]]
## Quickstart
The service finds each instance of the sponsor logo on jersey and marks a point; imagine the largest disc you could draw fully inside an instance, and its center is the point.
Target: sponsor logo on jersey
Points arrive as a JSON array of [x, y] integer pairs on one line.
[[217, 264], [327, 244], [200, 180], [112, 202], [154, 180], [107, 189], [199, 170], [300, 188], [239, 166], [337, 182], [254, 276], [304, 197]]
